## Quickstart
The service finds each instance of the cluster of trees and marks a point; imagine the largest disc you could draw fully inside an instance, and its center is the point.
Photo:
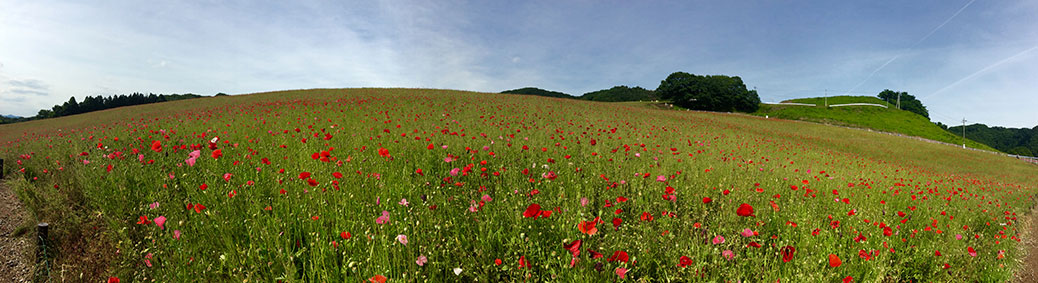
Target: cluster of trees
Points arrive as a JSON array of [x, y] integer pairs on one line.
[[1019, 141], [908, 102], [95, 103], [711, 93], [539, 92], [620, 94]]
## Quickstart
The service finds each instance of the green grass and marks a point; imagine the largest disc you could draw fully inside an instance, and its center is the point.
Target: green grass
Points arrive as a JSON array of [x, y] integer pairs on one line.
[[264, 223], [882, 119]]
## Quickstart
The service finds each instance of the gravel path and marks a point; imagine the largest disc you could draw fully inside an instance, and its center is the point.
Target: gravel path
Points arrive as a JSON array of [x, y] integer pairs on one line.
[[15, 249]]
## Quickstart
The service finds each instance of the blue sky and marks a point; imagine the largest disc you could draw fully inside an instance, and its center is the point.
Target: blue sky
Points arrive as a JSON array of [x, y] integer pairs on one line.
[[964, 59]]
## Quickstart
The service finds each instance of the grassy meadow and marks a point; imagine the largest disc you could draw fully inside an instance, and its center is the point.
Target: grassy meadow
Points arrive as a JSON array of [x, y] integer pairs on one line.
[[336, 185], [888, 119]]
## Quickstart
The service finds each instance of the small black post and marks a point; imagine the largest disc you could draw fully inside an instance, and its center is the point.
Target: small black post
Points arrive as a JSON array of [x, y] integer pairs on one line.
[[1, 168], [41, 240]]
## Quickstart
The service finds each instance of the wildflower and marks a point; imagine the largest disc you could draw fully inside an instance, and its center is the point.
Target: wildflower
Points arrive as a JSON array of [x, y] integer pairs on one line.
[[745, 210], [728, 254], [718, 240], [787, 253], [421, 260], [402, 239], [161, 222], [834, 261], [622, 272], [383, 219]]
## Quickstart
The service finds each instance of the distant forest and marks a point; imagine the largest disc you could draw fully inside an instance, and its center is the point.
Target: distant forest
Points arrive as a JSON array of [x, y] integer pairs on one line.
[[614, 94], [1019, 141], [96, 103]]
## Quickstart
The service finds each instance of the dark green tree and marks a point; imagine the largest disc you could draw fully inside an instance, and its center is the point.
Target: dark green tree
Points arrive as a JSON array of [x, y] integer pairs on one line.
[[621, 93], [908, 102], [712, 93]]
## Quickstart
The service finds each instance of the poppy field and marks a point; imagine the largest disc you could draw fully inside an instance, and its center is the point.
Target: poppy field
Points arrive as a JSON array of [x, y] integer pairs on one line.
[[436, 185]]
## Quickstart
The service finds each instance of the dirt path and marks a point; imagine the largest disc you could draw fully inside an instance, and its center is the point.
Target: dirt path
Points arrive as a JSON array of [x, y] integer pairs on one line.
[[1028, 271], [15, 261], [1029, 247]]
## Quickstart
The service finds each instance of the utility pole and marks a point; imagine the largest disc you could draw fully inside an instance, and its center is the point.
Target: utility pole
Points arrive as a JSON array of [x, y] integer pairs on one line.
[[827, 98], [899, 102], [963, 132]]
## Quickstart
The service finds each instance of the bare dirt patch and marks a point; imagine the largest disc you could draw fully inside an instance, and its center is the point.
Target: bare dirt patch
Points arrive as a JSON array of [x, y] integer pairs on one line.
[[16, 241]]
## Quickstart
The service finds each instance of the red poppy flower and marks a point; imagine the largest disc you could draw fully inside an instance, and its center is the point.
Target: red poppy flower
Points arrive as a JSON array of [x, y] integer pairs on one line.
[[383, 152], [113, 279], [304, 175], [378, 279], [745, 210], [497, 261], [217, 154], [143, 220], [573, 248], [616, 223], [311, 182], [684, 261], [534, 210], [156, 146], [588, 227], [594, 254], [848, 279], [834, 261], [618, 256], [523, 263], [345, 235], [787, 253], [707, 200]]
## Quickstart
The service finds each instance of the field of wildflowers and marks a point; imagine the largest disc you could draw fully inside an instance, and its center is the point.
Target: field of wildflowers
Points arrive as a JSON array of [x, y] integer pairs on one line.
[[435, 185]]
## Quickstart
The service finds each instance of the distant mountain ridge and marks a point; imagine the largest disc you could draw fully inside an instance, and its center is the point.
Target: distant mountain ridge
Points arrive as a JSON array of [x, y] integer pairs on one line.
[[615, 94]]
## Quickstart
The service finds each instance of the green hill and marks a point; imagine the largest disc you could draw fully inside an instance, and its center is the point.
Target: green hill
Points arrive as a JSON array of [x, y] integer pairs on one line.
[[347, 185], [887, 119]]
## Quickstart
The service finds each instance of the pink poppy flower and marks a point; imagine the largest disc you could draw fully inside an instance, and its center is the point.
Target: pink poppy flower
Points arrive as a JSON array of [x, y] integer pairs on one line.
[[160, 221]]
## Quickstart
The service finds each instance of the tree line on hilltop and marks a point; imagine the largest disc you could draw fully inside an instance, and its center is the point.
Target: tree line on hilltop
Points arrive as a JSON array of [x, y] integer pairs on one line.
[[711, 93], [96, 103], [1019, 141]]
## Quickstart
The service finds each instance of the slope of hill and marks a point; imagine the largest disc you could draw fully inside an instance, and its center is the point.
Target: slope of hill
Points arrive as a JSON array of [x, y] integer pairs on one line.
[[335, 185], [887, 119]]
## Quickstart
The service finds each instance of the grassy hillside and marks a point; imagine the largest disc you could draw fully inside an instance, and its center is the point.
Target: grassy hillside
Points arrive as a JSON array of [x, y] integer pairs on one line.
[[433, 185], [882, 119]]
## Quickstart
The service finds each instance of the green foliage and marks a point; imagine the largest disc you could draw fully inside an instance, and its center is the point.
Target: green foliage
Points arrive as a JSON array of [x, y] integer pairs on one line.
[[1019, 141], [539, 92], [711, 93], [621, 94], [908, 102], [870, 117]]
